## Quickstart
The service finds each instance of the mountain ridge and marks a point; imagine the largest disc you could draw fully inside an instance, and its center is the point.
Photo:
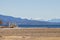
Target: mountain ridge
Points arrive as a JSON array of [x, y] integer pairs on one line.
[[20, 21]]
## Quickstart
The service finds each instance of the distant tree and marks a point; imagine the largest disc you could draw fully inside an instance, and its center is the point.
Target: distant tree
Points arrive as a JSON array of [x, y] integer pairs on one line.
[[1, 21]]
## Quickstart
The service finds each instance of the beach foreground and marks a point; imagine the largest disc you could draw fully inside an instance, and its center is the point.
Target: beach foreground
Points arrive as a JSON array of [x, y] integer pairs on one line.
[[29, 33]]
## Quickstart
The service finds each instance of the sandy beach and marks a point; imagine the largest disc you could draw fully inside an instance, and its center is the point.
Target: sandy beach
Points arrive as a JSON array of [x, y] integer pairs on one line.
[[29, 33]]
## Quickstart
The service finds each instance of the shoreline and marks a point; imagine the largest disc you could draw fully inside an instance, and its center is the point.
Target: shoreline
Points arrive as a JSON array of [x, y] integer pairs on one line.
[[30, 33]]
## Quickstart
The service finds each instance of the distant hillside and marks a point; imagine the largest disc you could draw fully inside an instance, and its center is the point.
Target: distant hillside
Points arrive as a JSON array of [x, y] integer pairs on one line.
[[20, 21]]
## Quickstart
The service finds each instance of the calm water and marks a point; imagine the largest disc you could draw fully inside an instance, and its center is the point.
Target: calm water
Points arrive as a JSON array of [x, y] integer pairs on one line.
[[40, 26]]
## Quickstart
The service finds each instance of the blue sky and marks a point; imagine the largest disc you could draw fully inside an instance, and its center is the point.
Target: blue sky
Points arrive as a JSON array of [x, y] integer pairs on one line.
[[38, 9]]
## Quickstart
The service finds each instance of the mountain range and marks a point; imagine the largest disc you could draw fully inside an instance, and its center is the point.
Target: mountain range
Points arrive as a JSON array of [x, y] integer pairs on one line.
[[20, 21]]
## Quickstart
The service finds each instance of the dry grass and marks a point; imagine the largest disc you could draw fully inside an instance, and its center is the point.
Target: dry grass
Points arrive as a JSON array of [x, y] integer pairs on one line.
[[30, 34]]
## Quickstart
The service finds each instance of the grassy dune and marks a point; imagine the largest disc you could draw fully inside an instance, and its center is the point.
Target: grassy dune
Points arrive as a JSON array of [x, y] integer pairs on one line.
[[29, 33]]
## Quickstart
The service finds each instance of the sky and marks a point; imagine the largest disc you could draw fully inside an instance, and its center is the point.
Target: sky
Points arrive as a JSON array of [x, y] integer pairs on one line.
[[34, 9]]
